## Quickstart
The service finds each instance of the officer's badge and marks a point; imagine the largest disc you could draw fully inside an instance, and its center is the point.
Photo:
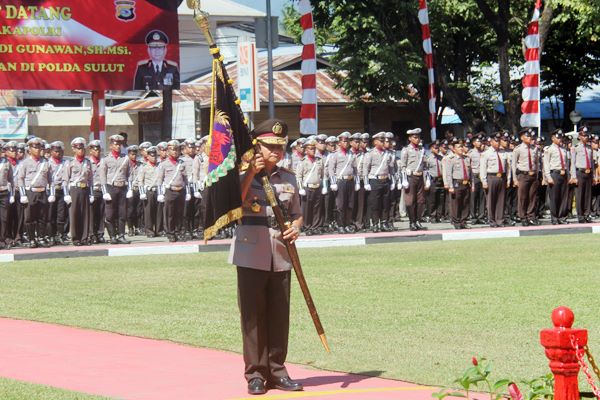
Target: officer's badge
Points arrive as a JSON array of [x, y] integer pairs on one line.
[[255, 206], [277, 128], [125, 10]]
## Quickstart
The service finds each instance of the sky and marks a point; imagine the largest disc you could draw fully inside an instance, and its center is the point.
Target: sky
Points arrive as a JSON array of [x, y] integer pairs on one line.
[[276, 5]]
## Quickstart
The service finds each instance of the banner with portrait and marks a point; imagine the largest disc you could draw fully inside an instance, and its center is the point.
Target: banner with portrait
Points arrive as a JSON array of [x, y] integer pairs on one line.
[[89, 44]]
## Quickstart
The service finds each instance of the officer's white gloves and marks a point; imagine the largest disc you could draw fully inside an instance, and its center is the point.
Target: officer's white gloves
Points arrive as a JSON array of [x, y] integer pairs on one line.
[[188, 197], [324, 190], [68, 199], [143, 196], [106, 196], [302, 192], [334, 187], [197, 194], [51, 199], [408, 172], [91, 199], [161, 198], [11, 199], [356, 187], [129, 194], [368, 187], [24, 199]]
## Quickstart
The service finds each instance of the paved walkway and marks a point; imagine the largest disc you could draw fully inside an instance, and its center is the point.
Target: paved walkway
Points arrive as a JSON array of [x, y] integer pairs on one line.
[[128, 367], [142, 246]]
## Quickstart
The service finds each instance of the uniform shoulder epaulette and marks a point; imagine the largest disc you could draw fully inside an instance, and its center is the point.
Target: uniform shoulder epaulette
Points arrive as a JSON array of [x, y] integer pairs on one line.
[[172, 63], [146, 61], [285, 169]]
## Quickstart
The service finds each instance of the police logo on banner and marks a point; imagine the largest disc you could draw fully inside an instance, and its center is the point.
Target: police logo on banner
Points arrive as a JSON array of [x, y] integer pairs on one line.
[[125, 10]]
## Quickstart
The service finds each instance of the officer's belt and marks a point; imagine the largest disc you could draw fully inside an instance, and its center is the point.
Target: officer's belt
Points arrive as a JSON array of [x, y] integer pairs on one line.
[[558, 171], [417, 173], [584, 170], [269, 222], [347, 177], [118, 184], [176, 188], [3, 188], [313, 185], [97, 188], [80, 185], [36, 189], [496, 174], [379, 177], [530, 173], [58, 187]]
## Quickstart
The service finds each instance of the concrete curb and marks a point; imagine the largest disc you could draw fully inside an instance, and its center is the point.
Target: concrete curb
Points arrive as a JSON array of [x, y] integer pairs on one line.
[[160, 248]]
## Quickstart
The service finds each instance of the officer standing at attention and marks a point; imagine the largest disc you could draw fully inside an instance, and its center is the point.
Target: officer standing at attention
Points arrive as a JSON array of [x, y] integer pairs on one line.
[[477, 194], [459, 174], [342, 171], [494, 172], [582, 173], [524, 168], [114, 176], [263, 264], [412, 163], [556, 174], [78, 177], [148, 192], [6, 198], [98, 205], [133, 191], [35, 175], [378, 168], [172, 181], [58, 212], [310, 175], [436, 197]]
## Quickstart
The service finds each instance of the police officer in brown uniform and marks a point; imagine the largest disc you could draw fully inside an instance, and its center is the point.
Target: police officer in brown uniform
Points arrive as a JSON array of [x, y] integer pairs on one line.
[[97, 206], [149, 192], [582, 173], [556, 174], [58, 211], [436, 196], [412, 164], [114, 177], [495, 175], [189, 211], [263, 265], [358, 213], [78, 188], [310, 175], [156, 73], [172, 183], [525, 169], [459, 176], [6, 196], [35, 175], [133, 191], [342, 172], [478, 194], [377, 171]]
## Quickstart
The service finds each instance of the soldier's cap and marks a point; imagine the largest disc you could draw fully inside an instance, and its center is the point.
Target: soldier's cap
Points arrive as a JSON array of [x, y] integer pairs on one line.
[[365, 136], [300, 141], [116, 139], [496, 136], [156, 38], [133, 149], [151, 151], [467, 141], [355, 136], [594, 138], [379, 136], [10, 145], [583, 131], [203, 139], [454, 141], [444, 142], [173, 143], [95, 143], [272, 131], [416, 131], [344, 135], [46, 146], [190, 142], [435, 143], [526, 132], [29, 137], [389, 135], [161, 146], [558, 133], [475, 138], [541, 139], [331, 139], [78, 141], [310, 142], [145, 145], [57, 145], [321, 137], [35, 140], [21, 146]]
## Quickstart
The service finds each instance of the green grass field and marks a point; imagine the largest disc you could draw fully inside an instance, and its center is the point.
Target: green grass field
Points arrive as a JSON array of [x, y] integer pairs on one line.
[[416, 312]]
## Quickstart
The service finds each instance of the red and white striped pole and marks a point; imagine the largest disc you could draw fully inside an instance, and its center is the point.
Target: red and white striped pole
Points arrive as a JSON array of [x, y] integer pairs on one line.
[[308, 110], [428, 48], [98, 123], [531, 111]]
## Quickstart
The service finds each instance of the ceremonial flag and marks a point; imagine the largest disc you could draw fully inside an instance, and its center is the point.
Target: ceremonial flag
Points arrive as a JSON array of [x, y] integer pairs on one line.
[[428, 48], [229, 141], [530, 107], [308, 110]]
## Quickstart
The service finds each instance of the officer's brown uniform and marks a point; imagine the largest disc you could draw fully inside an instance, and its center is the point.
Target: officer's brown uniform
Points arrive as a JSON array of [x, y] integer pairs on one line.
[[98, 206], [436, 196], [412, 162], [556, 169], [35, 175], [525, 170], [310, 175], [582, 168], [172, 178], [477, 192], [57, 210], [459, 176], [114, 177], [342, 171], [147, 183], [6, 187], [494, 171], [79, 179]]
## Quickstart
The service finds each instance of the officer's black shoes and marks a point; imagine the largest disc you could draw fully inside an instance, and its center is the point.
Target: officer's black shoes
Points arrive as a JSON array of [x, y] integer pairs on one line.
[[256, 386], [114, 240], [172, 238], [581, 220], [533, 222], [341, 230], [33, 244], [286, 384], [349, 229], [77, 243], [413, 227], [420, 227], [101, 240], [588, 220], [555, 221], [525, 223], [121, 239]]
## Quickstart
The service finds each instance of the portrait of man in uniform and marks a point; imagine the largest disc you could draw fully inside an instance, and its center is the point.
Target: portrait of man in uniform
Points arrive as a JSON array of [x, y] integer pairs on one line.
[[156, 73]]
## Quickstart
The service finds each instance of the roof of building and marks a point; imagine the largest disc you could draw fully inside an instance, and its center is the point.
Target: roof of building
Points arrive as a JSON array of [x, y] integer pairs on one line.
[[222, 8]]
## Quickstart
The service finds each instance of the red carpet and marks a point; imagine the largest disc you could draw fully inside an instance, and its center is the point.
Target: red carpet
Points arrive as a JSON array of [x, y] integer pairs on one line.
[[127, 367]]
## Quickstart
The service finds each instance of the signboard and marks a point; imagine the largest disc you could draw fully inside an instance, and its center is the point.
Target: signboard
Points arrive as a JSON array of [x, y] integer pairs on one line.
[[248, 77], [13, 123], [89, 44]]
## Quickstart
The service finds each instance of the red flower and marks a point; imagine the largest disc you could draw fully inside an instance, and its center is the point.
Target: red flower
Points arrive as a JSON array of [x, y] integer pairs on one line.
[[514, 392], [474, 361]]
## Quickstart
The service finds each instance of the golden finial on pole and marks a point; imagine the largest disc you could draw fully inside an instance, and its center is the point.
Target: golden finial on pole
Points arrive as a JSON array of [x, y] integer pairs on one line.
[[201, 19]]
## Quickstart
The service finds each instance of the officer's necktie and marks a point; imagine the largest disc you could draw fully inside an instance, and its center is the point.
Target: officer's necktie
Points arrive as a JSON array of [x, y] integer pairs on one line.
[[156, 69], [587, 158]]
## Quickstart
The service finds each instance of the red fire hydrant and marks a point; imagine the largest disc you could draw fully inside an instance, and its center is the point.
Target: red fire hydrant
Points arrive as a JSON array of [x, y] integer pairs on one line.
[[559, 350]]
